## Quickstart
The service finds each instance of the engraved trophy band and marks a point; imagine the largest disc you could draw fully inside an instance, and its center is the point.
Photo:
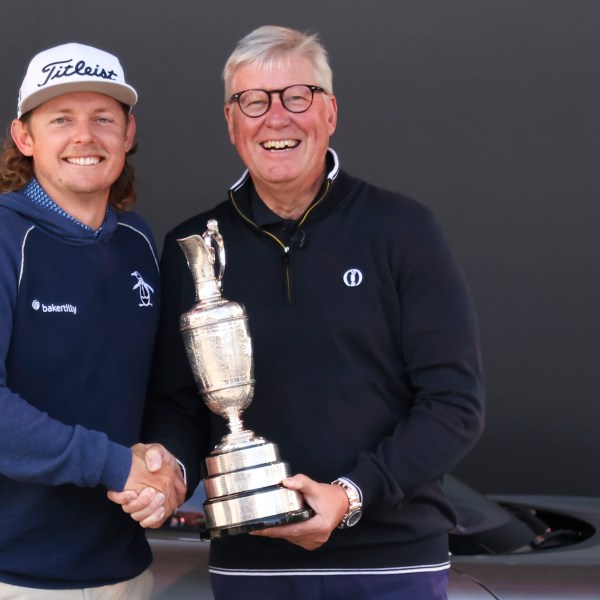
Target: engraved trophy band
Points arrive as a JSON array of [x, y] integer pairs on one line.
[[244, 471]]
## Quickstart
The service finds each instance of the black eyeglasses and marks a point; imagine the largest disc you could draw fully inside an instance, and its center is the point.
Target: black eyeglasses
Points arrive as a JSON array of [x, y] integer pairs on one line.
[[295, 98]]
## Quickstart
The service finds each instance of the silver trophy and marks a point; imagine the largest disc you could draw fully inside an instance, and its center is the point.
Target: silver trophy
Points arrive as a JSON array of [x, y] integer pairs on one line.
[[244, 471]]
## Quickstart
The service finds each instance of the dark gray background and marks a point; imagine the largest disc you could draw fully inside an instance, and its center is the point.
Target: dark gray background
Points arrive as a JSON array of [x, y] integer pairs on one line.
[[485, 110]]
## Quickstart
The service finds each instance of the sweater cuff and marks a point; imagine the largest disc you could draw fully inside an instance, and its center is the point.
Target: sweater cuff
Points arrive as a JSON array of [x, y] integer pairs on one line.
[[117, 467]]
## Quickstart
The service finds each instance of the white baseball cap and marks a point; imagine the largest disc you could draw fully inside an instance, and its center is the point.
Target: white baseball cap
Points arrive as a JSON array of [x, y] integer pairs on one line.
[[73, 68]]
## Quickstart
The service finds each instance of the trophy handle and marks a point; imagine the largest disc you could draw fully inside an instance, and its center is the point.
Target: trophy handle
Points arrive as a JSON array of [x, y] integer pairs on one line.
[[210, 236]]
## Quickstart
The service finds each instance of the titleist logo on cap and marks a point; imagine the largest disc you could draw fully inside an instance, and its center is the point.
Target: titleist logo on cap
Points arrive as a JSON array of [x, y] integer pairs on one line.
[[64, 68], [73, 68]]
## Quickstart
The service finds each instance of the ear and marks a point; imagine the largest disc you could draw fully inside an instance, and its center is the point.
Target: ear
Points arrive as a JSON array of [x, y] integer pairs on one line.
[[229, 118], [21, 136], [332, 114], [130, 132]]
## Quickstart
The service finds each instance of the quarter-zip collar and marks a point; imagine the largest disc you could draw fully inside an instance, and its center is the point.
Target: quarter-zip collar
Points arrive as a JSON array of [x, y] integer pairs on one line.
[[242, 192], [261, 219]]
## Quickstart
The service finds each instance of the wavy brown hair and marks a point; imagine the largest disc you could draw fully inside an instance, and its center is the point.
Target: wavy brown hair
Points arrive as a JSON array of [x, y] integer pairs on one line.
[[16, 170]]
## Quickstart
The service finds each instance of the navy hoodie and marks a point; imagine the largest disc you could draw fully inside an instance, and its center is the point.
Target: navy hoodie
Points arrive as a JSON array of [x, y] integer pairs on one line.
[[78, 314]]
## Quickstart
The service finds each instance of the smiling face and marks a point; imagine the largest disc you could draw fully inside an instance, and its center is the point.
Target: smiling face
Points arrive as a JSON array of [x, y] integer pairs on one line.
[[78, 142], [283, 151]]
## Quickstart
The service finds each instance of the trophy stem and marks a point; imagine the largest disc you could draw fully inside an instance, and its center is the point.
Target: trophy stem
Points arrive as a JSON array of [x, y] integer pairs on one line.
[[238, 436], [234, 422]]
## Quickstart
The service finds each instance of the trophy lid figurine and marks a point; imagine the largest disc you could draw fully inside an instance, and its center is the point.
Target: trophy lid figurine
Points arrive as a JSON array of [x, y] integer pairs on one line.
[[244, 471]]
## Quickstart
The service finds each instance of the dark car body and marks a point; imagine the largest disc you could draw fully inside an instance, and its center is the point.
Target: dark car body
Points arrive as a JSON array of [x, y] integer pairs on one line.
[[562, 560]]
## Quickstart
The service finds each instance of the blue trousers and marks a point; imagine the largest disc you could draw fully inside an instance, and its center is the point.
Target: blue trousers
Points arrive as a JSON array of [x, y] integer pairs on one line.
[[409, 586]]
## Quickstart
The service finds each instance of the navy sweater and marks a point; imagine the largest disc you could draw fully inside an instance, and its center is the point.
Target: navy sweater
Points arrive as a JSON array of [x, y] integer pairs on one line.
[[366, 364], [78, 314]]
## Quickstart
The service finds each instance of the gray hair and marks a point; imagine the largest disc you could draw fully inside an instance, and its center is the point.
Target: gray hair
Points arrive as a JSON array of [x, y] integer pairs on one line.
[[269, 45]]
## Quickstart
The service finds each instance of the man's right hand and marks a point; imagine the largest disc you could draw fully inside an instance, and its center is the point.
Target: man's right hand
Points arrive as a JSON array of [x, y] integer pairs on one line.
[[154, 488]]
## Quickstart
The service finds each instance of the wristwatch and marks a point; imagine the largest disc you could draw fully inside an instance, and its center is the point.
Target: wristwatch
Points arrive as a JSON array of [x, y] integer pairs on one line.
[[352, 517]]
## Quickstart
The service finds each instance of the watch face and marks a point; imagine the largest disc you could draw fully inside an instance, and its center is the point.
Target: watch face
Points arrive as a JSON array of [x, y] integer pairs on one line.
[[353, 518]]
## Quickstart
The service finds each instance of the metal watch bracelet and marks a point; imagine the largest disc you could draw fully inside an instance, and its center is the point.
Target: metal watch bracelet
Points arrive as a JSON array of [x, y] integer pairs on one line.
[[352, 517]]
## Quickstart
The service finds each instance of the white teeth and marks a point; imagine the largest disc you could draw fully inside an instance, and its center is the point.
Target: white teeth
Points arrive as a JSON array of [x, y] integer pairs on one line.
[[280, 144], [84, 161]]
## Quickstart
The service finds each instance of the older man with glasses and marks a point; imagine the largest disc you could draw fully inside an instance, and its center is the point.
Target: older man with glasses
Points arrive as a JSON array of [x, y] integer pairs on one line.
[[365, 342]]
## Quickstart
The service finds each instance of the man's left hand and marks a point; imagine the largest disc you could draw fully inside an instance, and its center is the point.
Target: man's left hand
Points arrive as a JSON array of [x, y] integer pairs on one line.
[[330, 504]]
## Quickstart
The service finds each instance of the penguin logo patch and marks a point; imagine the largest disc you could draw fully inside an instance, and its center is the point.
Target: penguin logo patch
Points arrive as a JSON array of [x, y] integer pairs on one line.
[[144, 289]]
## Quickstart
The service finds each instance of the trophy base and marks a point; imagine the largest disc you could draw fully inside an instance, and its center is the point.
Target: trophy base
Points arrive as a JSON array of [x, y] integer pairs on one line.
[[257, 524], [255, 509], [244, 491]]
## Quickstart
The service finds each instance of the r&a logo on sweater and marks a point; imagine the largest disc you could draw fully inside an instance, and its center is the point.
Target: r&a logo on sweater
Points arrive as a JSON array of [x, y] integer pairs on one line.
[[353, 277]]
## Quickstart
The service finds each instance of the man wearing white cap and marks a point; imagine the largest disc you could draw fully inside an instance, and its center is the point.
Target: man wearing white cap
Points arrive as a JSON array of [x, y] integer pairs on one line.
[[79, 301]]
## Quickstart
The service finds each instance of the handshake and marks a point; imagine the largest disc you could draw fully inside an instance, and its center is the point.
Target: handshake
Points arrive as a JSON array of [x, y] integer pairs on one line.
[[155, 486]]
